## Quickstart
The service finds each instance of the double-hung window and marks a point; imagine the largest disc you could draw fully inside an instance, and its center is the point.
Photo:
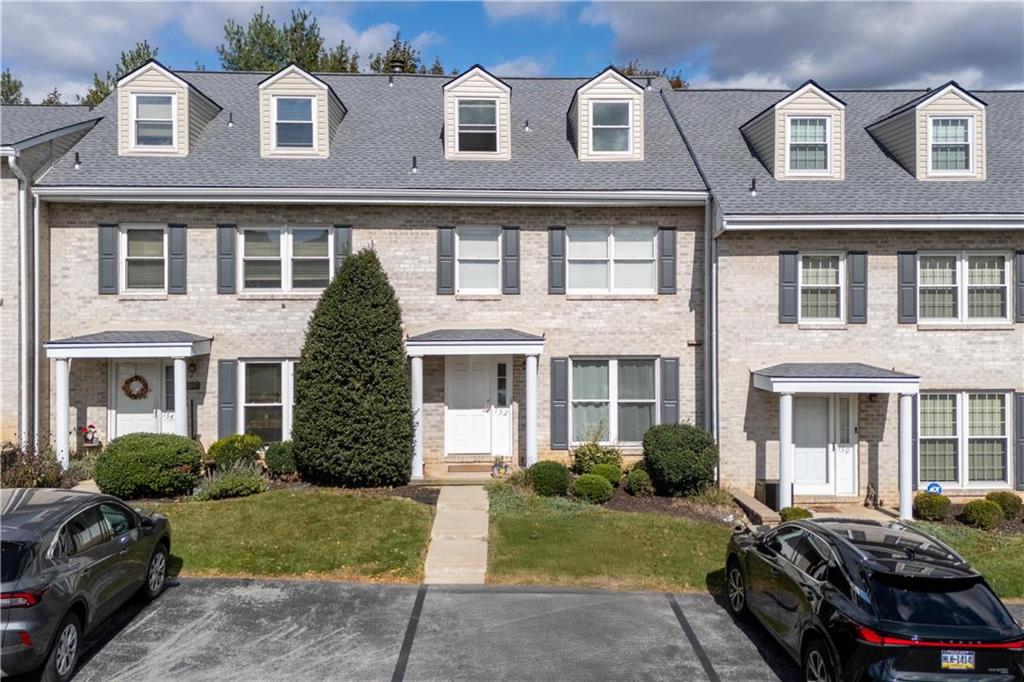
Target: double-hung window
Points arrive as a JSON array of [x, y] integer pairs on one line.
[[478, 257], [611, 127], [807, 144], [144, 266], [294, 126], [611, 260], [964, 438], [949, 144], [477, 125], [613, 399], [821, 287], [267, 399], [286, 258], [963, 287], [153, 120]]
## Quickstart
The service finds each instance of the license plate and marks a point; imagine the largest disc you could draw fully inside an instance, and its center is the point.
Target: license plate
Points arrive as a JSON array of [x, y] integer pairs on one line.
[[957, 660]]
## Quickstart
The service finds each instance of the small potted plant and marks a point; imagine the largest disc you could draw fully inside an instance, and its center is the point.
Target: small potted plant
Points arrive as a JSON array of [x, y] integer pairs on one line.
[[500, 468], [88, 434]]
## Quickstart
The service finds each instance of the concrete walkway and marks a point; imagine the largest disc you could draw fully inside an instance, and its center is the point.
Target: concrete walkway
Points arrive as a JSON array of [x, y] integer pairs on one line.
[[458, 540]]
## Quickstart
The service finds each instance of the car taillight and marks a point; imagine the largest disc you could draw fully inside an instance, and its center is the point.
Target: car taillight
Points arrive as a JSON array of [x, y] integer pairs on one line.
[[21, 600], [871, 637], [25, 639]]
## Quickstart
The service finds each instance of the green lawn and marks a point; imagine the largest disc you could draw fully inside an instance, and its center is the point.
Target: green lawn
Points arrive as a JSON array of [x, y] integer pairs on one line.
[[997, 555], [535, 540], [312, 533]]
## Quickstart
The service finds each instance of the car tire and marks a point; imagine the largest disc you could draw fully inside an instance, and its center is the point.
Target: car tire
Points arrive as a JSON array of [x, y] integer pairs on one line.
[[156, 573], [817, 663], [736, 589], [64, 652]]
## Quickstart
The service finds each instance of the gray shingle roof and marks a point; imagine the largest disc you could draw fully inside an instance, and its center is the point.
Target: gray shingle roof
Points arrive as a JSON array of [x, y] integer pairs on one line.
[[874, 182], [113, 337], [22, 122], [375, 143], [475, 335], [830, 370]]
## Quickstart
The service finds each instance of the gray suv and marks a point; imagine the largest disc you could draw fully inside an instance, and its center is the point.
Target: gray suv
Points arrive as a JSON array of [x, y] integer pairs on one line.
[[68, 560]]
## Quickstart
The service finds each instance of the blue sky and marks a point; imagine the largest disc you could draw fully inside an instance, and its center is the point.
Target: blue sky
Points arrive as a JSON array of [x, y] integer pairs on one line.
[[714, 44]]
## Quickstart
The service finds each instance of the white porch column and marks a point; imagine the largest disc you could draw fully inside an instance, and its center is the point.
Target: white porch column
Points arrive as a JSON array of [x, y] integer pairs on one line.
[[416, 362], [906, 455], [785, 450], [531, 410], [63, 407], [180, 397]]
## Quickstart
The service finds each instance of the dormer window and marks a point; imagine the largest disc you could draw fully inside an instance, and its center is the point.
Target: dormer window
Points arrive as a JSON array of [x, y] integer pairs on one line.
[[153, 120], [293, 123], [807, 144], [478, 125], [610, 127], [949, 145]]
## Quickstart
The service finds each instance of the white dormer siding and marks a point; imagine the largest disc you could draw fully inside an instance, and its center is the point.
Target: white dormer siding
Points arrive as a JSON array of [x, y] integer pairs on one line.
[[801, 113], [282, 99], [477, 90], [623, 102], [144, 92]]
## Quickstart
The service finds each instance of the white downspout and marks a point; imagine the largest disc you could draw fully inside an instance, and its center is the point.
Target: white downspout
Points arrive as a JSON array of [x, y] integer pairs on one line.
[[24, 360], [35, 320]]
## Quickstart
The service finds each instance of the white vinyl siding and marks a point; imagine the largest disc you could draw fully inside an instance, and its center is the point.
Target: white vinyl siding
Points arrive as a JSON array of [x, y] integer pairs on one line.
[[964, 286], [814, 158], [822, 277], [292, 83], [285, 258], [478, 260], [266, 397], [964, 439], [612, 88], [143, 258], [469, 131], [611, 260], [153, 81], [614, 400], [954, 106]]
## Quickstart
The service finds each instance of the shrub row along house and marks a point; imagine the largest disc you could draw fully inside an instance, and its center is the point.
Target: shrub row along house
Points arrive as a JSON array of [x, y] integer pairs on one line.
[[839, 272]]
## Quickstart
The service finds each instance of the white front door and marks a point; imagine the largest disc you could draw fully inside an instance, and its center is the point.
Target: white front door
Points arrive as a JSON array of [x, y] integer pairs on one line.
[[844, 444], [811, 466], [469, 387], [141, 412]]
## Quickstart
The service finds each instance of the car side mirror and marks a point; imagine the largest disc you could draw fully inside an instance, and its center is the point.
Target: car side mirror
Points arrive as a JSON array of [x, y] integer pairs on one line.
[[147, 522]]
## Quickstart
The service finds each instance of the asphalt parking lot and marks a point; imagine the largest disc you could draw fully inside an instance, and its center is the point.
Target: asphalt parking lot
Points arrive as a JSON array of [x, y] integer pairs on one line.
[[290, 630]]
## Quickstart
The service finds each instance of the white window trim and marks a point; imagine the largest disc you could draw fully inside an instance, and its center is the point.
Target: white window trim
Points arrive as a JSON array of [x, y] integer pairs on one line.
[[313, 112], [285, 256], [122, 258], [828, 144], [963, 438], [962, 288], [800, 288], [613, 396], [133, 119], [287, 392], [629, 127], [970, 145], [459, 289], [497, 124], [610, 259]]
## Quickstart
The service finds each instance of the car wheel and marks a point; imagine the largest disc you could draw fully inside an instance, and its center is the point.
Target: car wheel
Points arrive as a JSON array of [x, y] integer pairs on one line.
[[156, 574], [60, 664], [818, 663], [736, 589]]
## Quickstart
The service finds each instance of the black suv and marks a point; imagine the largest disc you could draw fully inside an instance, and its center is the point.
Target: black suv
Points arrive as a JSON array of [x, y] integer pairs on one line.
[[861, 600]]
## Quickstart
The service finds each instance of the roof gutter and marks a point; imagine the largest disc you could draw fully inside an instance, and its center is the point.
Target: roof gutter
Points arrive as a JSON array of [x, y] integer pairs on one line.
[[376, 196], [879, 221]]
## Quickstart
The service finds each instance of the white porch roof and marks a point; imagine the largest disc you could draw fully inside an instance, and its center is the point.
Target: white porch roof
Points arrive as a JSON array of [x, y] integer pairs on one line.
[[130, 344], [474, 342], [834, 377]]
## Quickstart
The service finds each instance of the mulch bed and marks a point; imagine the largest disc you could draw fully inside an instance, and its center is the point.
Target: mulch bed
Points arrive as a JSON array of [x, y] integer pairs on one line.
[[673, 506]]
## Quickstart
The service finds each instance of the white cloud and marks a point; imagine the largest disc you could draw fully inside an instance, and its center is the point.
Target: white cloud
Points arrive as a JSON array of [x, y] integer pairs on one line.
[[41, 86], [525, 66], [375, 38], [498, 11], [426, 39], [751, 80], [203, 22]]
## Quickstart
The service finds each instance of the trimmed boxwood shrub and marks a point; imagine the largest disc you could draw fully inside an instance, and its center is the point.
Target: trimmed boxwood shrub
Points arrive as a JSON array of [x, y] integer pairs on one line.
[[794, 513], [984, 514], [931, 507], [592, 488], [549, 478], [638, 482], [240, 479], [149, 464], [608, 471], [353, 421], [1009, 502], [680, 458], [238, 447], [589, 455], [280, 459]]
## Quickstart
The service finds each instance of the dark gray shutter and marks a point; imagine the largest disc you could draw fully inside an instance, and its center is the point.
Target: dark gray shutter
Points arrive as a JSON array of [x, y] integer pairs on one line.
[[446, 260], [108, 259], [670, 390], [1018, 431], [906, 267], [559, 403], [913, 444], [788, 283], [510, 260], [227, 397], [857, 281], [342, 244], [226, 259], [177, 260], [666, 260], [1018, 294], [556, 260]]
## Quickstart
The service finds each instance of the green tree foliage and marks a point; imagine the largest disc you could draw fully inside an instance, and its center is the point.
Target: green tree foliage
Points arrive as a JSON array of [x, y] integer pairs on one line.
[[130, 60], [53, 98], [634, 69], [265, 46], [437, 68], [353, 420], [401, 57], [11, 89]]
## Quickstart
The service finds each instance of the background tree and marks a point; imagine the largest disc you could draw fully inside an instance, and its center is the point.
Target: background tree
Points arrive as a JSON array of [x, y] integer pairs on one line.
[[353, 420], [264, 46], [437, 68], [53, 98], [401, 57], [130, 60], [634, 69], [11, 89]]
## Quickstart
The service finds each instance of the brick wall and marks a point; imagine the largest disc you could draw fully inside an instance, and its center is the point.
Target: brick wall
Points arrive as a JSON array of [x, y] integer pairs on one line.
[[10, 293]]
